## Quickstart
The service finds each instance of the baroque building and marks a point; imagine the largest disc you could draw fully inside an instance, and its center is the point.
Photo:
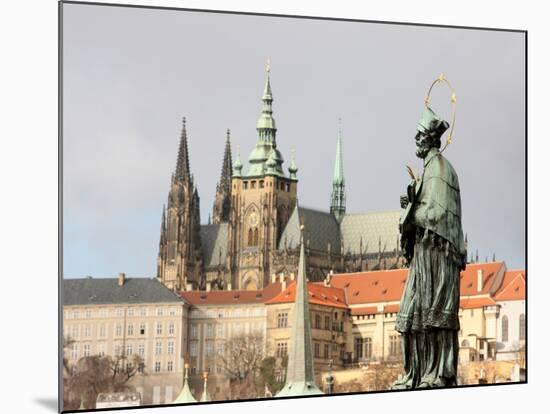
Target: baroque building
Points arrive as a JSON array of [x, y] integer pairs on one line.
[[255, 228]]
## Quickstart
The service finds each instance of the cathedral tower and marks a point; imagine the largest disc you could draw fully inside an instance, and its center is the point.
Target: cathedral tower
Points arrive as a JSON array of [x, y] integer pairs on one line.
[[222, 203], [262, 200], [179, 260], [338, 197]]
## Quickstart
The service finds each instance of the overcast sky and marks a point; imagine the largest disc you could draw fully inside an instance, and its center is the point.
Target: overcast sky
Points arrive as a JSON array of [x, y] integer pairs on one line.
[[130, 75]]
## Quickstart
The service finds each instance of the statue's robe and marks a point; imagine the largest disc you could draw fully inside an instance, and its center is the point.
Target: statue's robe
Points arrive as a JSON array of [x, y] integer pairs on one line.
[[428, 315]]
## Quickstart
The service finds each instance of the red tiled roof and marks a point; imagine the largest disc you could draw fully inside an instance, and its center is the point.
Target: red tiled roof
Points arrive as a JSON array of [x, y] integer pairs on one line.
[[513, 286], [391, 308], [230, 297], [471, 303], [364, 310], [318, 294], [371, 287], [468, 277]]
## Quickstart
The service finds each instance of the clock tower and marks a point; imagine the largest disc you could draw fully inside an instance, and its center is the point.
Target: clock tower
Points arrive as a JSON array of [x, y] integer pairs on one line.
[[262, 200]]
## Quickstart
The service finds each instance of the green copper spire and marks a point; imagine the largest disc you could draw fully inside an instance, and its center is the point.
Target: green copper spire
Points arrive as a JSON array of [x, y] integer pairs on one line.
[[205, 396], [237, 165], [300, 377], [292, 169], [338, 197], [185, 396], [267, 131]]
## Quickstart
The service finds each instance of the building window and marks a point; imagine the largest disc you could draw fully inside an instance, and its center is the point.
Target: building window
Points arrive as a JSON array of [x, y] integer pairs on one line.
[[327, 323], [130, 330], [88, 314], [142, 329], [143, 312], [171, 329], [209, 330], [75, 332], [219, 331], [209, 350], [160, 311], [250, 237], [170, 366], [129, 349], [394, 345], [465, 343], [75, 315], [86, 350], [157, 366], [522, 327], [74, 351], [158, 348], [87, 331], [505, 328], [131, 312], [317, 321], [252, 184], [368, 347], [282, 349], [103, 313], [287, 187], [237, 329], [316, 350], [194, 331], [282, 320], [159, 328], [261, 183], [102, 331], [193, 349], [119, 312], [245, 185], [172, 311], [170, 347], [220, 348], [359, 348], [141, 349], [118, 330], [101, 349], [326, 350], [141, 368]]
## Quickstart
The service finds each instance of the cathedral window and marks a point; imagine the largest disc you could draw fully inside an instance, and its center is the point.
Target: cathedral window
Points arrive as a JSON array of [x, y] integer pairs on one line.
[[282, 320], [261, 183], [252, 184], [255, 237], [245, 185], [522, 327], [250, 237], [504, 328]]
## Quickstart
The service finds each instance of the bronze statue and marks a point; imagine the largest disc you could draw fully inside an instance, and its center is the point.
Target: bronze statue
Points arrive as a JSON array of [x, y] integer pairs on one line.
[[433, 245]]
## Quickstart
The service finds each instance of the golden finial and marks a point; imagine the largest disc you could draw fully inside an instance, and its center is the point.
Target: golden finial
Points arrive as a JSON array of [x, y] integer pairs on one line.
[[453, 98], [302, 227], [205, 375], [441, 78], [268, 65]]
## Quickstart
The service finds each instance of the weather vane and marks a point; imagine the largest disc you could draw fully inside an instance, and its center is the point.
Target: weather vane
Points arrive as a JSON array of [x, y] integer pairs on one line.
[[443, 79], [268, 65]]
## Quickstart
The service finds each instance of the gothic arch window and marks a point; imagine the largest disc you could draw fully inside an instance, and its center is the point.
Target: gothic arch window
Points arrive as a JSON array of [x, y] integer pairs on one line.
[[522, 327], [505, 328], [256, 236], [250, 237]]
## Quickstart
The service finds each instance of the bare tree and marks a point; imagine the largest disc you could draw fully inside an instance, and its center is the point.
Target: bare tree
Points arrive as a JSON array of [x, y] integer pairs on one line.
[[241, 362]]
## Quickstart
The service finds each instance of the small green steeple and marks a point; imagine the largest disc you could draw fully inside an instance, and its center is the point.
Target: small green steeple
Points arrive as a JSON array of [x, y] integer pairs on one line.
[[237, 165], [338, 197], [292, 169], [300, 377], [185, 396]]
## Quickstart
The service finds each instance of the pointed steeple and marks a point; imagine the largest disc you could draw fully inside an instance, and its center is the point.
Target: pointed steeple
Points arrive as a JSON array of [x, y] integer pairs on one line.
[[185, 396], [163, 227], [227, 164], [338, 197], [237, 165], [205, 395], [292, 169], [300, 377], [266, 124], [182, 164]]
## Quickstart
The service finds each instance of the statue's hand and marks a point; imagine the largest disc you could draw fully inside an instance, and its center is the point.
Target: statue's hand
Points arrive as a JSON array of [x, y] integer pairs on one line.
[[404, 199]]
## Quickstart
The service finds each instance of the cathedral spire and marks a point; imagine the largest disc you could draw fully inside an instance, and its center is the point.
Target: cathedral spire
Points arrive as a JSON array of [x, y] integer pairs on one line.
[[266, 124], [300, 377], [225, 176], [182, 164], [338, 197]]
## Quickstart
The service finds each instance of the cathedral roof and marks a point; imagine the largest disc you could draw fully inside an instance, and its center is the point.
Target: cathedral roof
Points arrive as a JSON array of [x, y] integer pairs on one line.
[[89, 291], [372, 229], [214, 243], [513, 286], [321, 228]]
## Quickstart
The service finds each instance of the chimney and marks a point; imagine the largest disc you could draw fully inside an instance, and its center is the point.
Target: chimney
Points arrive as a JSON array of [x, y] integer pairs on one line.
[[479, 280], [273, 278], [283, 285], [292, 276], [281, 277], [188, 287], [121, 278], [229, 286], [208, 286]]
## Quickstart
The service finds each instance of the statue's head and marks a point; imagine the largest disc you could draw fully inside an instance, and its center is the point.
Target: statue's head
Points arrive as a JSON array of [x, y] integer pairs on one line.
[[429, 129]]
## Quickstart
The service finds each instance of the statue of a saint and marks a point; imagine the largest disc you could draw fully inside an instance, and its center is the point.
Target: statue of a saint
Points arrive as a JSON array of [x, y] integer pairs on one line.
[[433, 245]]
